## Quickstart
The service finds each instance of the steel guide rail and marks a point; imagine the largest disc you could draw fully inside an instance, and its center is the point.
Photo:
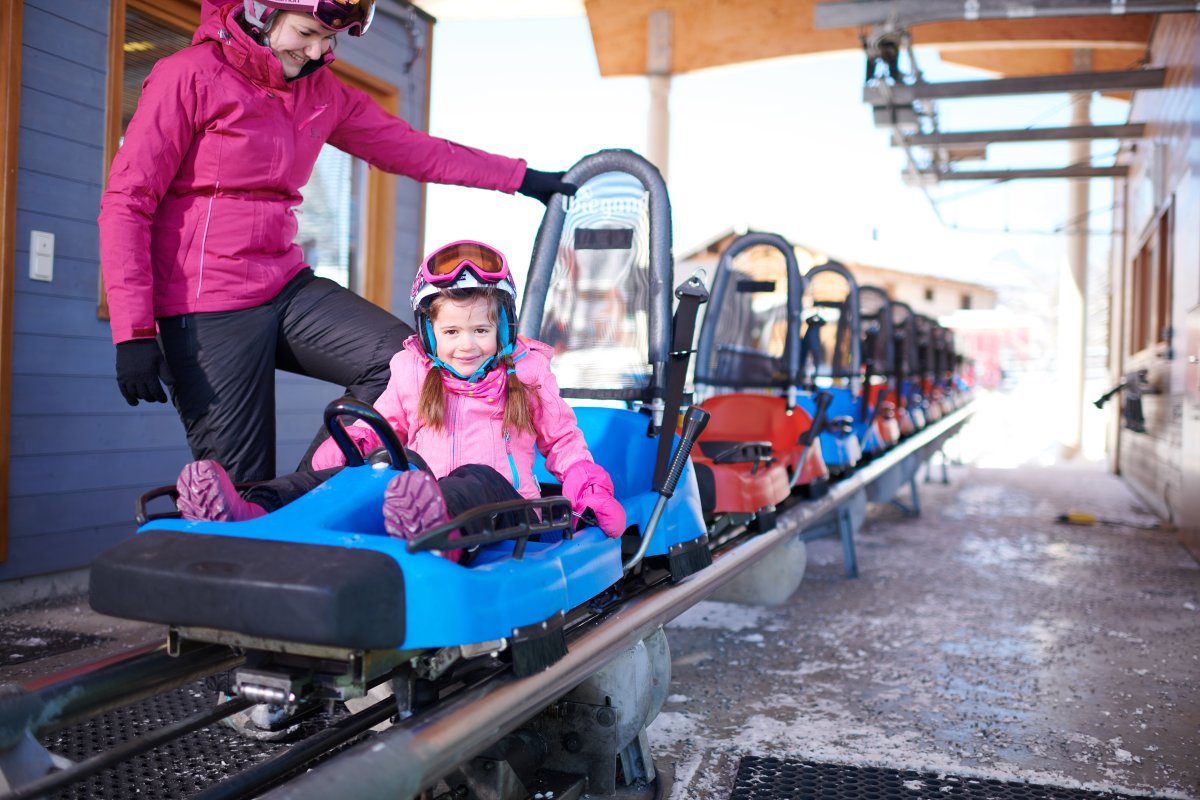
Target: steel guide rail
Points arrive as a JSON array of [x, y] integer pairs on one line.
[[416, 752]]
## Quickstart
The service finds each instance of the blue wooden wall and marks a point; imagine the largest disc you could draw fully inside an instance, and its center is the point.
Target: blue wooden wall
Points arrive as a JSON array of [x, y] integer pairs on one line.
[[80, 456]]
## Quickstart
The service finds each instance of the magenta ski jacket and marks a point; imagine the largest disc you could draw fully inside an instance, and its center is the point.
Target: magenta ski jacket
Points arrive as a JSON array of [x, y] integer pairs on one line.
[[199, 211]]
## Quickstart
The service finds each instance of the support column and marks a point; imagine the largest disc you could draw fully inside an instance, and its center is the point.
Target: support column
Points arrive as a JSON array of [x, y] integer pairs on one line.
[[1072, 286], [658, 71]]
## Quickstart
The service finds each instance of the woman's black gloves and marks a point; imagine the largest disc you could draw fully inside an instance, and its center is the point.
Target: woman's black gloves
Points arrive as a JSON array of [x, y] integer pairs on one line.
[[139, 364], [542, 185]]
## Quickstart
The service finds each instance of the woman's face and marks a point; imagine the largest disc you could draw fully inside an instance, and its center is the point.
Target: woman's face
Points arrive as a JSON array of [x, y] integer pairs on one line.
[[465, 333], [296, 39]]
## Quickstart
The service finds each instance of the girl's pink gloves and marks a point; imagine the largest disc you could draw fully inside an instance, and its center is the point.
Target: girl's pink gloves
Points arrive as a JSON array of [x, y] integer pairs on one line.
[[587, 485], [328, 454]]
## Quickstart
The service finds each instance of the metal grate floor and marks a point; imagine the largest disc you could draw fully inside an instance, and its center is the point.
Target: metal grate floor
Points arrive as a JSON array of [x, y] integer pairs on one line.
[[175, 770], [767, 778]]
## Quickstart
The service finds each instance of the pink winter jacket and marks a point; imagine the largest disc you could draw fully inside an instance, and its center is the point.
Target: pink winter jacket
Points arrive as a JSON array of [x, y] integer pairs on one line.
[[475, 430], [198, 214]]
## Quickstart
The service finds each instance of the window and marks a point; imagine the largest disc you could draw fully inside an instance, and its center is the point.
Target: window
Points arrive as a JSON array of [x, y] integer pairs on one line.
[[1150, 286], [346, 222], [965, 305], [328, 227], [929, 294], [146, 40]]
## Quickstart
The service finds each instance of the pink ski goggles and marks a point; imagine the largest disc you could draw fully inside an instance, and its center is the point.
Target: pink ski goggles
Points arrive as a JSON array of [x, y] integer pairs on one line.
[[350, 16], [444, 265]]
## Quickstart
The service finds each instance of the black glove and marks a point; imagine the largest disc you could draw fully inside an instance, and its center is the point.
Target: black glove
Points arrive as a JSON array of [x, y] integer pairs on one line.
[[541, 185], [139, 363]]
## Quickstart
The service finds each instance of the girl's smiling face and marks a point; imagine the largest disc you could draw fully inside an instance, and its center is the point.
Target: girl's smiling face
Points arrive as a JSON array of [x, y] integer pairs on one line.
[[465, 331], [296, 39]]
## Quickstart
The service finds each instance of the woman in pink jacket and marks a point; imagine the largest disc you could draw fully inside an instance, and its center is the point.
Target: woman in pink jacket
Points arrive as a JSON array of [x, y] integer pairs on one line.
[[206, 285], [468, 395]]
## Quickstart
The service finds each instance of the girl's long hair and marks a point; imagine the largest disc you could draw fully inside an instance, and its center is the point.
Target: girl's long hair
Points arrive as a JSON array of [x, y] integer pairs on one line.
[[518, 398]]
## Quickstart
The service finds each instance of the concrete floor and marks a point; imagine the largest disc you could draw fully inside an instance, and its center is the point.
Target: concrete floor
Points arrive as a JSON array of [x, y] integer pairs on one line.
[[982, 639]]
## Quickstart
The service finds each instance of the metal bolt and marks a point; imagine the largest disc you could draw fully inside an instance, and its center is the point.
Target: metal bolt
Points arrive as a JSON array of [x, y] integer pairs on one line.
[[572, 743], [606, 716]]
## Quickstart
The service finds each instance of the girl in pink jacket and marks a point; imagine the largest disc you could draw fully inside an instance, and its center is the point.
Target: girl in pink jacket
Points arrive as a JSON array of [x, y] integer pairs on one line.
[[465, 393], [206, 285]]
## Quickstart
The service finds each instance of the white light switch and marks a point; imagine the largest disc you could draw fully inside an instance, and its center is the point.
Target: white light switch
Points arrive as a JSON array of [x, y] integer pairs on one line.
[[41, 256]]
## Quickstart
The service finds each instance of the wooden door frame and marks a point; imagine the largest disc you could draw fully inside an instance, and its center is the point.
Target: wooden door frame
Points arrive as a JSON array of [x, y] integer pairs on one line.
[[11, 23]]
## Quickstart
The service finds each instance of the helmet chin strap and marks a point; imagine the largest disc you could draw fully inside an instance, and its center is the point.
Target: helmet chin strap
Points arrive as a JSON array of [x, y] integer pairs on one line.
[[483, 368], [475, 377]]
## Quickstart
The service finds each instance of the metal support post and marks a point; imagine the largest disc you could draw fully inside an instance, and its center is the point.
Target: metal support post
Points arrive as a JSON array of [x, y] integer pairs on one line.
[[845, 526], [658, 72], [913, 508], [941, 454]]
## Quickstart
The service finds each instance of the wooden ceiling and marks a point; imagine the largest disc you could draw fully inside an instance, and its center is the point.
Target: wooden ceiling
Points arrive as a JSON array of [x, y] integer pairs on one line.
[[713, 33]]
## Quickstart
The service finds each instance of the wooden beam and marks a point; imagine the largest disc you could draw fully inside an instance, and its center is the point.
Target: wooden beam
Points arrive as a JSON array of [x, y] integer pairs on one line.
[[1084, 171], [1070, 133], [904, 93], [11, 21], [711, 34]]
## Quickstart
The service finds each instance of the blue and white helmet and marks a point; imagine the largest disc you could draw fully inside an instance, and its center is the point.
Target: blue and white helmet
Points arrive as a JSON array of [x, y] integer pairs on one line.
[[465, 265]]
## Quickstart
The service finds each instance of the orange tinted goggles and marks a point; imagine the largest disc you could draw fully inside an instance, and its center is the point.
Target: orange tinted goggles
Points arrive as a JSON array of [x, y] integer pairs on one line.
[[444, 265]]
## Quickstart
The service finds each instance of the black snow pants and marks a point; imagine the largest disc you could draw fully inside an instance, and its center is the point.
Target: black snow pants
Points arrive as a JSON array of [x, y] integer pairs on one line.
[[223, 366], [465, 488]]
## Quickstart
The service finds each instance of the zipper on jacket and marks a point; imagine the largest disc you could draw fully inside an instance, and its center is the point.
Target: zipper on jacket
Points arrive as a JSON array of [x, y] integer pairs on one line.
[[316, 113], [512, 465], [204, 238]]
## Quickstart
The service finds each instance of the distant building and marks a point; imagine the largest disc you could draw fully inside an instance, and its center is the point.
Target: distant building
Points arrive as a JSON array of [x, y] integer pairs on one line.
[[992, 341], [930, 295]]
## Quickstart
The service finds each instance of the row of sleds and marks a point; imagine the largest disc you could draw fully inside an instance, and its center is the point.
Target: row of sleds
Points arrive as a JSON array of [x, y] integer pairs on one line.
[[793, 381]]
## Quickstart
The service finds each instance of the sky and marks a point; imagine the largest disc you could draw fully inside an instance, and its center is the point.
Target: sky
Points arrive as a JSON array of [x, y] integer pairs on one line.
[[783, 145]]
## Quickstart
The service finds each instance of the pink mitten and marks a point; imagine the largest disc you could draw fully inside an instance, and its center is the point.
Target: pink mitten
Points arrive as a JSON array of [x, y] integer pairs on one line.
[[608, 513], [328, 454], [587, 485]]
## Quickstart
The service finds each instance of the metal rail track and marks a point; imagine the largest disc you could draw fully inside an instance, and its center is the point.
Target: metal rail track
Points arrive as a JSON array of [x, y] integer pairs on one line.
[[415, 752]]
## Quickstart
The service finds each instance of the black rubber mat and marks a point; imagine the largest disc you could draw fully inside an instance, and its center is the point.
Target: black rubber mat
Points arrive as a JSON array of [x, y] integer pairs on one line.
[[767, 778], [178, 769], [19, 643]]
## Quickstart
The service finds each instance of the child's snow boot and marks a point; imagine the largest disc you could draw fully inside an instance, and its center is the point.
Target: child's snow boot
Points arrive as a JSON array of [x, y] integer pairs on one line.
[[207, 493], [413, 504]]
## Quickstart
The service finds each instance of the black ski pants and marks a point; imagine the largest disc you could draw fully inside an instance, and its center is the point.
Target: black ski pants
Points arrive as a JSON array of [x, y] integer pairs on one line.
[[223, 366], [465, 488]]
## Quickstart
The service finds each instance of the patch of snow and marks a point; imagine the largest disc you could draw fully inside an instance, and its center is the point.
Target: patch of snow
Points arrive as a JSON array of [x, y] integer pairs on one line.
[[720, 616]]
